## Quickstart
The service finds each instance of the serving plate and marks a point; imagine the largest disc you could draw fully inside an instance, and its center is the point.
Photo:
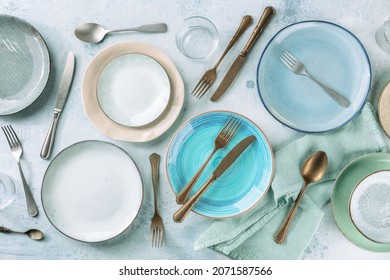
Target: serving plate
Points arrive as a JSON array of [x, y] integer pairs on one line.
[[333, 55], [24, 67], [92, 191], [242, 186], [139, 131], [345, 184]]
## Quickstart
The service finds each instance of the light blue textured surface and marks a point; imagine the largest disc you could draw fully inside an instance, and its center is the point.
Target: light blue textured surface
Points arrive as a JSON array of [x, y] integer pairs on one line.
[[56, 21]]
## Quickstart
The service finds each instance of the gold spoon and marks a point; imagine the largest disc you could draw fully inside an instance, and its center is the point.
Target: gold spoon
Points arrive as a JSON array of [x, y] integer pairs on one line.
[[32, 233], [312, 171]]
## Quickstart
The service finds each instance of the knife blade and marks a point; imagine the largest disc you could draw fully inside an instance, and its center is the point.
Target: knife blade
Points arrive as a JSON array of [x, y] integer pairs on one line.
[[224, 165], [63, 92], [239, 62]]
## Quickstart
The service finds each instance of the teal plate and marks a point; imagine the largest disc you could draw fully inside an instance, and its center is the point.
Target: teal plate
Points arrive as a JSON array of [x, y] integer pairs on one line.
[[345, 183], [242, 186], [330, 53]]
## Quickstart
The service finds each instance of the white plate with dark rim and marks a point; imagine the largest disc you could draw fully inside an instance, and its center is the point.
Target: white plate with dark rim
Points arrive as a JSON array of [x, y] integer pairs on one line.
[[92, 191], [24, 67], [101, 111]]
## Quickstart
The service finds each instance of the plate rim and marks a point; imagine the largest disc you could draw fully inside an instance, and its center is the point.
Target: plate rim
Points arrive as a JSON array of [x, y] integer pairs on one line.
[[332, 202], [44, 81], [268, 144], [101, 142], [350, 201], [320, 22], [126, 133], [169, 94], [385, 92]]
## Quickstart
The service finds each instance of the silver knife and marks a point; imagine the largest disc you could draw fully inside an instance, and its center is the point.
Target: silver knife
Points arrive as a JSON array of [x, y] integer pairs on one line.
[[224, 165], [237, 64], [63, 92]]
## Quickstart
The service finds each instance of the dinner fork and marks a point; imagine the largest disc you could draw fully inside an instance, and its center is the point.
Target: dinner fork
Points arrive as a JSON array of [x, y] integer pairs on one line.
[[210, 76], [157, 227], [220, 141], [16, 150], [297, 67]]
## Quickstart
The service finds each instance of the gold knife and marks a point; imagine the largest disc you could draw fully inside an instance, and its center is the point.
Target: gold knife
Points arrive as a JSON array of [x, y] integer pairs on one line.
[[237, 64], [226, 162]]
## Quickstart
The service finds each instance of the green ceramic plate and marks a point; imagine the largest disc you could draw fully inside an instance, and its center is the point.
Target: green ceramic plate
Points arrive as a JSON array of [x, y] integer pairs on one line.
[[345, 183]]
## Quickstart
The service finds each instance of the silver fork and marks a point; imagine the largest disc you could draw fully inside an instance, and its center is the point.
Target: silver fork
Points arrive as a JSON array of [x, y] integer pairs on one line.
[[157, 226], [16, 150], [296, 66], [221, 141]]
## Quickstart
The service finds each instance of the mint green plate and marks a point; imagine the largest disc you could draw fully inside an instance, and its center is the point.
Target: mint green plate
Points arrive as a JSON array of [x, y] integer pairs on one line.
[[345, 183]]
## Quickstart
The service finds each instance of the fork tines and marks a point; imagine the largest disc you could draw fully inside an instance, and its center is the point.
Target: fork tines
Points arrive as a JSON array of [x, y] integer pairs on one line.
[[230, 128], [11, 136], [157, 237], [201, 88], [288, 59]]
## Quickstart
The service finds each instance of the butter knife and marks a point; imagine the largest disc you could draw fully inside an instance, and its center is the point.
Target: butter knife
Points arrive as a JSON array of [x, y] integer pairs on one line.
[[224, 165], [238, 63], [63, 92]]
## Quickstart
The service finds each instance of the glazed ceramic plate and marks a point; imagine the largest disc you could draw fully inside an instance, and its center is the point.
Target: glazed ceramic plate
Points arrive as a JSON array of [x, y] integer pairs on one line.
[[331, 54], [242, 186], [384, 109], [24, 67], [370, 206], [92, 191], [133, 90], [344, 186], [114, 129]]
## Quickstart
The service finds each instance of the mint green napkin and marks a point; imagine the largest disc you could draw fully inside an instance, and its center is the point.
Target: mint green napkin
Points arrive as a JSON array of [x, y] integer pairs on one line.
[[250, 236]]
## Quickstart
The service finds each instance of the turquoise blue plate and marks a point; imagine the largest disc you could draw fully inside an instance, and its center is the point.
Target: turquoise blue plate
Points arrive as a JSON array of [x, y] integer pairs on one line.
[[242, 186], [331, 54]]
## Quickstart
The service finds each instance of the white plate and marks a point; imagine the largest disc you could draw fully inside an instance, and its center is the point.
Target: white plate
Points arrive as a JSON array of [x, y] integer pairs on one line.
[[133, 89], [92, 191], [24, 67], [370, 207], [118, 131]]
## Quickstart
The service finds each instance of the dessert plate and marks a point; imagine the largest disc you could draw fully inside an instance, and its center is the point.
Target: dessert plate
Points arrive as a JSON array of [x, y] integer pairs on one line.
[[370, 206], [92, 191], [102, 110], [242, 186], [331, 54], [344, 186], [24, 67]]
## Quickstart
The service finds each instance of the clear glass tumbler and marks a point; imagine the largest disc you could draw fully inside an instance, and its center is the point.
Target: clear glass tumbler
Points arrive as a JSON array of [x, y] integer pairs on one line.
[[382, 35], [7, 190]]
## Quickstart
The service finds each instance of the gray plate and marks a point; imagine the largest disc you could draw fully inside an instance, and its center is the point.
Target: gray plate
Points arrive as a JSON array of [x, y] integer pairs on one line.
[[24, 67]]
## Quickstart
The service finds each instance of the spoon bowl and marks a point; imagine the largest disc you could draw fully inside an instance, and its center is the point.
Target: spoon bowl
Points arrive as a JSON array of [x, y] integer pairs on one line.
[[312, 171]]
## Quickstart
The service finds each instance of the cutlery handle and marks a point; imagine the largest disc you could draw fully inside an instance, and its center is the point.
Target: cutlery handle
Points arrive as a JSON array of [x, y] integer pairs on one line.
[[32, 208], [333, 94], [49, 140], [245, 23], [155, 162], [180, 214], [182, 196], [281, 234], [263, 21], [147, 28]]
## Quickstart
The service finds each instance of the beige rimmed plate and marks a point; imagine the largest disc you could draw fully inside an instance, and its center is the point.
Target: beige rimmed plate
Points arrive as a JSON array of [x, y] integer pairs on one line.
[[384, 109], [105, 123]]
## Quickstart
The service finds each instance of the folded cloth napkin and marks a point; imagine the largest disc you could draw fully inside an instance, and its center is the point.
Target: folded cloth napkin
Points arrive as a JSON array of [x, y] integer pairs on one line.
[[250, 236]]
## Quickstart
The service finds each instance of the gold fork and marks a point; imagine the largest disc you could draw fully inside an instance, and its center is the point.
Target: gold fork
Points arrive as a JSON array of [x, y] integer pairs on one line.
[[157, 227], [209, 77], [220, 142], [16, 150]]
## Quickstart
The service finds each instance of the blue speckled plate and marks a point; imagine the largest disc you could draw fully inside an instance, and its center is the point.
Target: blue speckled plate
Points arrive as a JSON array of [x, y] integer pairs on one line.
[[330, 53], [242, 186]]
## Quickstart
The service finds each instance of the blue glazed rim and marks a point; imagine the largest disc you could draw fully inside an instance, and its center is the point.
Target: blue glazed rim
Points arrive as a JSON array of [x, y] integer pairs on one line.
[[314, 21], [261, 132]]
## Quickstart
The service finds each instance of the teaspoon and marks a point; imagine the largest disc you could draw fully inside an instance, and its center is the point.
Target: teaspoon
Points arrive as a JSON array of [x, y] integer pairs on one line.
[[95, 33], [32, 233], [312, 171]]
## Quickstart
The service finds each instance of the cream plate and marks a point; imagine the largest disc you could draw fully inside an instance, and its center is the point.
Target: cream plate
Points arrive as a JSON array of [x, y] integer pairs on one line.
[[133, 89], [92, 191], [370, 206], [114, 129]]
